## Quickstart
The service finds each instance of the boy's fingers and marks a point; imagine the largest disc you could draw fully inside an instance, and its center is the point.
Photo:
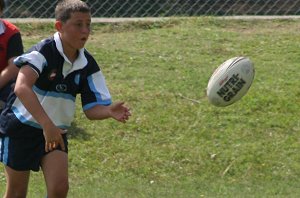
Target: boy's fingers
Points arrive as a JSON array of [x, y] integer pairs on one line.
[[49, 146], [62, 144]]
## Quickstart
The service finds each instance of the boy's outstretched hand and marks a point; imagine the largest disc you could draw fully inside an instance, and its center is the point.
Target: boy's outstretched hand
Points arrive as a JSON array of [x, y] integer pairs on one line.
[[119, 112]]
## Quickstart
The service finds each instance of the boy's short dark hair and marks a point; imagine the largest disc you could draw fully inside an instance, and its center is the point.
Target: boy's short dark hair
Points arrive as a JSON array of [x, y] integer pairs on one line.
[[2, 5], [65, 8]]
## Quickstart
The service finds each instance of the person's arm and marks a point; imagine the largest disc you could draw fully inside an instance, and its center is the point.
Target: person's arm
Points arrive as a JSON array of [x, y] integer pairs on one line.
[[14, 49], [118, 111], [9, 73], [23, 90]]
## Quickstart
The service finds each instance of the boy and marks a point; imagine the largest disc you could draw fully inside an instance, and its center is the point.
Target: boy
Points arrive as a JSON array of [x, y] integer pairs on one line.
[[10, 47], [35, 119]]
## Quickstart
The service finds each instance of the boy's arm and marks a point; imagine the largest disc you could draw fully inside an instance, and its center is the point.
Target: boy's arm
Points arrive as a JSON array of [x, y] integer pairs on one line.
[[118, 111], [23, 90]]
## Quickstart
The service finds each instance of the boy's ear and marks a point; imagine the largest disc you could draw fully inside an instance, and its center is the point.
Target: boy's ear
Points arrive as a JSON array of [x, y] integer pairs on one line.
[[58, 25]]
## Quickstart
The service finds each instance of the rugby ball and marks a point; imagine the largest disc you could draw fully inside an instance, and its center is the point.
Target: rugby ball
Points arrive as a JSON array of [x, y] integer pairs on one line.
[[230, 81]]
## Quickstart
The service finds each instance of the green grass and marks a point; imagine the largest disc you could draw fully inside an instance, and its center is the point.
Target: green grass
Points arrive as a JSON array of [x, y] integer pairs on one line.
[[177, 144]]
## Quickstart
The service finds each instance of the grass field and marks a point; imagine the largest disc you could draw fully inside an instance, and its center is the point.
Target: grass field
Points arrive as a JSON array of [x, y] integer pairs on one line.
[[177, 144]]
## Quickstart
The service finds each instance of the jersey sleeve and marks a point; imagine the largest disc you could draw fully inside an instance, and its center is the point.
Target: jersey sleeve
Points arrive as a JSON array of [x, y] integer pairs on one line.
[[94, 90], [34, 59], [37, 56], [15, 46]]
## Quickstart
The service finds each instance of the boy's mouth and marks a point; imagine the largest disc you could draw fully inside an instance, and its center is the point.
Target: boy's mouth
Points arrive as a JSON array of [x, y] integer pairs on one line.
[[83, 39]]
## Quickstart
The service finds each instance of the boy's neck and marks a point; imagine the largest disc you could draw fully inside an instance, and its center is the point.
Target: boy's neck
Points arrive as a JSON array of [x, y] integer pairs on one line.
[[70, 53], [72, 56]]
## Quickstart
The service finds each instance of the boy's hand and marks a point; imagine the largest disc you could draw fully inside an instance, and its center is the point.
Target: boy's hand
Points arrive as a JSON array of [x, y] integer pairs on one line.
[[120, 112], [53, 138]]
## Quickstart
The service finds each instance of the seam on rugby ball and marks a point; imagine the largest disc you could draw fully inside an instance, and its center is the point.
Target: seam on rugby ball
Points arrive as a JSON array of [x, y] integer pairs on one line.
[[238, 59]]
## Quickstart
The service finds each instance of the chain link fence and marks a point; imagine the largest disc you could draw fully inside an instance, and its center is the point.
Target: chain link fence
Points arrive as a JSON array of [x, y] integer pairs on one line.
[[158, 8]]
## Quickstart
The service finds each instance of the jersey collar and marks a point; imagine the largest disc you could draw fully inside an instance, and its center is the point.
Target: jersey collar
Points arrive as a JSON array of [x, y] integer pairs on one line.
[[81, 60]]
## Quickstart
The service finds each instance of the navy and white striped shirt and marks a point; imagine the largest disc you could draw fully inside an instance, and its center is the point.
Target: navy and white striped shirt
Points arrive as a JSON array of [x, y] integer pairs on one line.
[[58, 84]]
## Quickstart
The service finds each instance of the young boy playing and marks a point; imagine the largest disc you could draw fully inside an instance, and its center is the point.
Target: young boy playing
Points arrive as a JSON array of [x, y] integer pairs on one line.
[[11, 46], [35, 120]]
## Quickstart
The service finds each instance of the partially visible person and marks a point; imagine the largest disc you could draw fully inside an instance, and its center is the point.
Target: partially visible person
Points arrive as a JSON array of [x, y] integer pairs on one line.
[[11, 46]]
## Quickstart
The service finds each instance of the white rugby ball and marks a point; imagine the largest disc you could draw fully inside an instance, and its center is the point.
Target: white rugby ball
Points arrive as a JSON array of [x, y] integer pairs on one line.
[[230, 81]]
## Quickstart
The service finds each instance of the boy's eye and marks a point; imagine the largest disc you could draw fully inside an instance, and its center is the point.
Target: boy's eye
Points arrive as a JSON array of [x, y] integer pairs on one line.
[[81, 25]]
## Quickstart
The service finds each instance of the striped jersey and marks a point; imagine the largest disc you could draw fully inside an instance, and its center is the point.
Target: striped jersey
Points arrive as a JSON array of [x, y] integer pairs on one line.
[[58, 84]]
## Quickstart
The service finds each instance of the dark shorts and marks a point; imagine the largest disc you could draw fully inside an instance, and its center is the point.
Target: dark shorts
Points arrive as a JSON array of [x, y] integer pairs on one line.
[[25, 149]]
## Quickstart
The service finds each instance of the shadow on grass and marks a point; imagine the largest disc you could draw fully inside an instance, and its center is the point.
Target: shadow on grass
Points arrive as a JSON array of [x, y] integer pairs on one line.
[[76, 132]]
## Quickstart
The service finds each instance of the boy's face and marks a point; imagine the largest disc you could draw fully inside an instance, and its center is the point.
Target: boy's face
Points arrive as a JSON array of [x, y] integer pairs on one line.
[[75, 31]]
